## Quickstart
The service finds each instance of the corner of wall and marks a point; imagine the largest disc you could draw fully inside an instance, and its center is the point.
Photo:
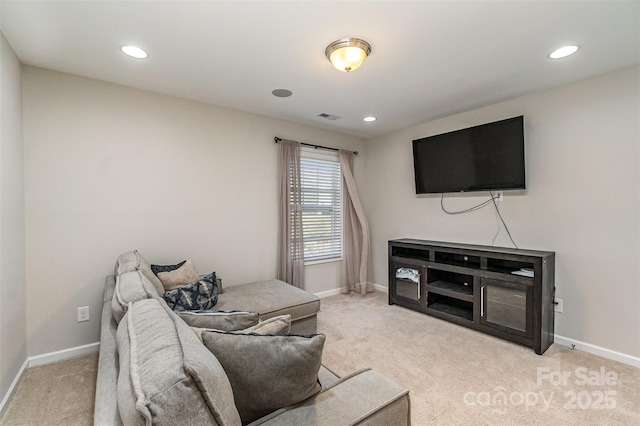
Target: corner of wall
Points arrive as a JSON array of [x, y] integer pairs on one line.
[[13, 334]]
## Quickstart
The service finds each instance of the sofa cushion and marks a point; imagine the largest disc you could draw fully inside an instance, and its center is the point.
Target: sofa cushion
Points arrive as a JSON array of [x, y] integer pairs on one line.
[[133, 260], [184, 275], [273, 371], [166, 375], [270, 299], [276, 325], [220, 320], [127, 262], [130, 287], [202, 294], [156, 269]]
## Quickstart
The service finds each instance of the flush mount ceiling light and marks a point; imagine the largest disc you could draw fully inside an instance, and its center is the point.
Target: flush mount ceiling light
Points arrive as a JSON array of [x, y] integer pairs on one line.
[[369, 118], [563, 52], [134, 52], [347, 54]]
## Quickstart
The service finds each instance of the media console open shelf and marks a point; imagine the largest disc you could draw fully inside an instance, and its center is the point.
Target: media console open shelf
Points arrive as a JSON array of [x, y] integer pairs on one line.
[[504, 292]]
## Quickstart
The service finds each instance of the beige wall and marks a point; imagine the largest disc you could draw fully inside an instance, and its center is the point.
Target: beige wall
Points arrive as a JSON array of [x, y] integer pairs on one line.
[[109, 169], [582, 200], [13, 337]]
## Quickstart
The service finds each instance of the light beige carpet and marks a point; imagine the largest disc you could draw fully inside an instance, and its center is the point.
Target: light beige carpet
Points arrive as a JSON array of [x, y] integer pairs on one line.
[[458, 376], [61, 393], [455, 375]]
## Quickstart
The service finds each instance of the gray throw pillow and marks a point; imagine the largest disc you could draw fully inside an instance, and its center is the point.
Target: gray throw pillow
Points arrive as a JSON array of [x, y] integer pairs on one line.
[[272, 372], [276, 325], [220, 320]]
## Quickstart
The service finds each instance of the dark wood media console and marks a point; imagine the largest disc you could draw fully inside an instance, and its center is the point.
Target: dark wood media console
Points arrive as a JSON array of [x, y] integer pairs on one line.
[[504, 292]]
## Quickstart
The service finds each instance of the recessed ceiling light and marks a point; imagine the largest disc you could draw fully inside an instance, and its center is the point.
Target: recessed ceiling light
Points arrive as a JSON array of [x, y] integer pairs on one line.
[[370, 118], [282, 93], [134, 52], [563, 52]]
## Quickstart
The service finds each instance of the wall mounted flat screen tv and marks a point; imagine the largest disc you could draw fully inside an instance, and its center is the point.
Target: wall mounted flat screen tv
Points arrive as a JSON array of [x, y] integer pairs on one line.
[[489, 157]]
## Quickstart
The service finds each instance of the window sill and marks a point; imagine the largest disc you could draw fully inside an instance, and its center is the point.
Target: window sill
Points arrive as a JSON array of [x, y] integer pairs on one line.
[[318, 262]]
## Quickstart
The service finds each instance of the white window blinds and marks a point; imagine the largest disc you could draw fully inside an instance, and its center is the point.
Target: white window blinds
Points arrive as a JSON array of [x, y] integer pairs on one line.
[[321, 182]]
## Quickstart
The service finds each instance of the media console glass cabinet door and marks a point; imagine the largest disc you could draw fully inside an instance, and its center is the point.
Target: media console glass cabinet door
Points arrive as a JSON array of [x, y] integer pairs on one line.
[[407, 285], [506, 305], [500, 291]]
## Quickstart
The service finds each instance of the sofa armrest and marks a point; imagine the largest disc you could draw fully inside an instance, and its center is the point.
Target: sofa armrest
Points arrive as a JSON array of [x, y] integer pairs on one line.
[[326, 377], [363, 398], [105, 407]]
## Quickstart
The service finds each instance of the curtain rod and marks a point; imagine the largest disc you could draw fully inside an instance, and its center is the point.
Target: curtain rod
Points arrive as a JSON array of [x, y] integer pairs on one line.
[[277, 139]]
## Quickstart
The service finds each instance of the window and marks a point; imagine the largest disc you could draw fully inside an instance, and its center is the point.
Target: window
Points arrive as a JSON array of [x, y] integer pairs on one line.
[[321, 181]]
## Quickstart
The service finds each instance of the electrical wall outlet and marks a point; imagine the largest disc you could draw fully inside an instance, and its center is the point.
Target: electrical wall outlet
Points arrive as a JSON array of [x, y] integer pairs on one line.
[[83, 314], [557, 305], [499, 196]]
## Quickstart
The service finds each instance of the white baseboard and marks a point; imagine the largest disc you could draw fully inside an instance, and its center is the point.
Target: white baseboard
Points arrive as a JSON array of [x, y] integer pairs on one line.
[[50, 357], [598, 350], [380, 288], [341, 290], [329, 293], [12, 388]]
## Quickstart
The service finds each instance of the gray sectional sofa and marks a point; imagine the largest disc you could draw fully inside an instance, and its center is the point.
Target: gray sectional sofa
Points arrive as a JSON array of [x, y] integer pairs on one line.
[[153, 368]]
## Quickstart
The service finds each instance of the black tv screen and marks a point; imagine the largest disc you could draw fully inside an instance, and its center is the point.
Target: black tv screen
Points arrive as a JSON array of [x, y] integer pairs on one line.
[[489, 157]]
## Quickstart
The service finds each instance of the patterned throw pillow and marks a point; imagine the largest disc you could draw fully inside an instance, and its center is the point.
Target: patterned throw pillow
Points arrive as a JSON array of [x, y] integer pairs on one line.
[[202, 294], [166, 268]]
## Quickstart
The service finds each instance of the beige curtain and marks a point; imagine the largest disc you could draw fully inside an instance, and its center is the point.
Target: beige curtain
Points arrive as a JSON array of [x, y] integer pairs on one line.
[[356, 230], [290, 244]]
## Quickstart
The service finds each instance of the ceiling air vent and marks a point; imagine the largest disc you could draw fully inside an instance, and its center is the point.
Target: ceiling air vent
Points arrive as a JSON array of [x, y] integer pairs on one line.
[[328, 116]]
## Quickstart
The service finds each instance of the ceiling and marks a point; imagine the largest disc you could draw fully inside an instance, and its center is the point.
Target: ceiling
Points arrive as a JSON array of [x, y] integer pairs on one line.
[[429, 59]]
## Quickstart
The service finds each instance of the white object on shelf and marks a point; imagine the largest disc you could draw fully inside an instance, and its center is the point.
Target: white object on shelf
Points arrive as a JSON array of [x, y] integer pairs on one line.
[[525, 272], [408, 274]]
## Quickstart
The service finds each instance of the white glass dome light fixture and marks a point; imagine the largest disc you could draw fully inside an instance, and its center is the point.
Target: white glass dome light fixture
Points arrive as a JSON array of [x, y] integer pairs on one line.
[[134, 52], [369, 118], [347, 54], [564, 51]]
